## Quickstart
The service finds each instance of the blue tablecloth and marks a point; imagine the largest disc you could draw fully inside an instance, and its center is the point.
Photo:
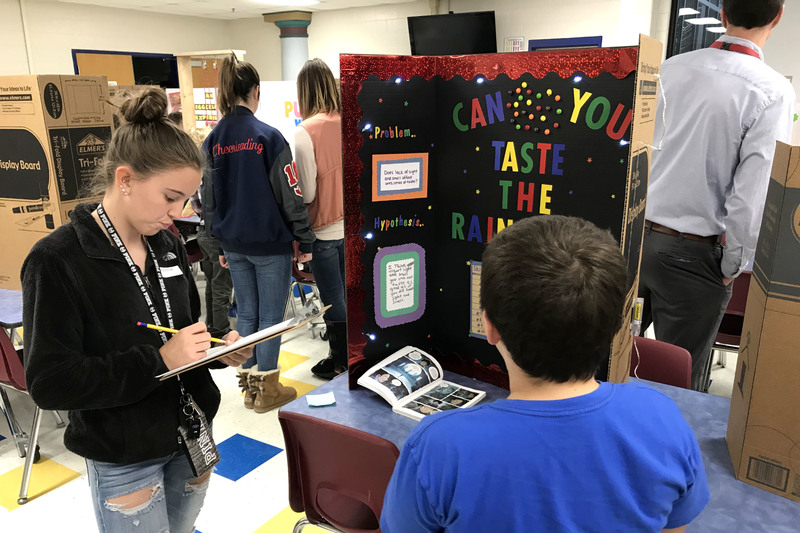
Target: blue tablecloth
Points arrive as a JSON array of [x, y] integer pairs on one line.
[[735, 507]]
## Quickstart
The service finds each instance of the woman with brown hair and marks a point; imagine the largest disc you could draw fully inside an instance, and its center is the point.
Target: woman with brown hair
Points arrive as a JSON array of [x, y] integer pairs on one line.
[[85, 286], [318, 143], [258, 211]]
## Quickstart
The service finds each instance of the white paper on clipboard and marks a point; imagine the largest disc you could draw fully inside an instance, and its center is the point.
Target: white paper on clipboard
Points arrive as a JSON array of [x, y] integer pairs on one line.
[[309, 312]]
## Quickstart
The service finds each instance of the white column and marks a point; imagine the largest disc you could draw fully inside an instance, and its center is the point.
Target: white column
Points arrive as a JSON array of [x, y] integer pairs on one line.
[[294, 46]]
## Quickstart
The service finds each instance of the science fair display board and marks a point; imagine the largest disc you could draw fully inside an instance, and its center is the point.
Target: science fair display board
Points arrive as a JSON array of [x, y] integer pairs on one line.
[[442, 153]]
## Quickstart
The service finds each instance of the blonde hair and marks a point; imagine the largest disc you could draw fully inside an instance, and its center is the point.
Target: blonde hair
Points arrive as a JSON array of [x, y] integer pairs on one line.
[[236, 80], [148, 142], [317, 91]]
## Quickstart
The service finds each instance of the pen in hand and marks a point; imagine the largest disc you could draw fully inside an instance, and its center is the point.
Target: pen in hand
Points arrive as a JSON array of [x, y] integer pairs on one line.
[[170, 330]]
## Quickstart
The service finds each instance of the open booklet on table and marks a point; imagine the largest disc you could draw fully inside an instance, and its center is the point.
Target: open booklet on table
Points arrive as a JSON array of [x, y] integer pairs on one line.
[[309, 312], [411, 381]]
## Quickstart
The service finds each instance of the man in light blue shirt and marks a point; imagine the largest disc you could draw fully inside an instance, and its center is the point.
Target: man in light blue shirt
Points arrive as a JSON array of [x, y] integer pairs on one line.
[[715, 139]]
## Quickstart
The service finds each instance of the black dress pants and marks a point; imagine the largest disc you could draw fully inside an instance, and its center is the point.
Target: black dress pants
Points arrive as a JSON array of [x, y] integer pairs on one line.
[[684, 297], [219, 286]]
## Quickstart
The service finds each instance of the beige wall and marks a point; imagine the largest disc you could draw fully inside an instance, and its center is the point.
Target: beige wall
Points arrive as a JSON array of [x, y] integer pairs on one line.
[[781, 48], [261, 41], [368, 30], [384, 29], [54, 29], [13, 59]]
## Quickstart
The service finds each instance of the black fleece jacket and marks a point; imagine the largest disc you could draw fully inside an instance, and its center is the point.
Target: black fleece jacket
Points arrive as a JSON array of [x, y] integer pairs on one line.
[[253, 192], [84, 353]]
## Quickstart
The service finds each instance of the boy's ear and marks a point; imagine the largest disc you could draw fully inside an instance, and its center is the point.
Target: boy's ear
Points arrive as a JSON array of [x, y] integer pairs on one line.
[[492, 335]]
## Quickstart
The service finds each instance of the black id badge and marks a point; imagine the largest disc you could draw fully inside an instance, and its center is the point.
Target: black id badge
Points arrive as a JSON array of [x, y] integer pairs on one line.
[[195, 437]]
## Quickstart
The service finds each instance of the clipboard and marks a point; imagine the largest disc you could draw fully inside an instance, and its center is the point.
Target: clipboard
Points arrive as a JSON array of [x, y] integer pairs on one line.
[[309, 312]]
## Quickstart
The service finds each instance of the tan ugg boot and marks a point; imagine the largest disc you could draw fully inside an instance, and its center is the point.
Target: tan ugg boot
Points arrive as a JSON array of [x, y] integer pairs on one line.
[[244, 383], [269, 391]]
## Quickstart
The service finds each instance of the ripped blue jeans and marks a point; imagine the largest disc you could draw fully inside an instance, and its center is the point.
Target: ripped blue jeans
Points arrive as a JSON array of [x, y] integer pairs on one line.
[[148, 497]]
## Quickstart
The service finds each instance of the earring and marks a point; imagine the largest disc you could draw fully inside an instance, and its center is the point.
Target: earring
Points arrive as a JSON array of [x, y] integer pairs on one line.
[[124, 191]]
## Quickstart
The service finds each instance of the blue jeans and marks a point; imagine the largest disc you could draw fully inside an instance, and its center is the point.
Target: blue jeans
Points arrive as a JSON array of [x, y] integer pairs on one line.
[[327, 264], [171, 500], [261, 285]]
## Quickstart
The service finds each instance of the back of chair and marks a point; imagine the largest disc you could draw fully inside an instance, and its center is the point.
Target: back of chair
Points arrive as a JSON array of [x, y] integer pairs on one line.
[[193, 251], [730, 329], [337, 474], [300, 276], [11, 370], [661, 362], [5, 373]]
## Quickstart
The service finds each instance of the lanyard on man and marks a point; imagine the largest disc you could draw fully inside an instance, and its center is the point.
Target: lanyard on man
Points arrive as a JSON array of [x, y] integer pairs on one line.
[[733, 47]]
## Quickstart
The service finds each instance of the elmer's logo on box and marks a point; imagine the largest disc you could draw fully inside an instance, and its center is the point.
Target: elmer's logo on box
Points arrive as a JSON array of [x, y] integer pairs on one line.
[[76, 153], [91, 144]]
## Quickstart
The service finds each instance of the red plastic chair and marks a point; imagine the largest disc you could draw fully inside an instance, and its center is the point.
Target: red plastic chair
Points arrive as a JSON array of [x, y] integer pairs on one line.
[[337, 475], [661, 362], [301, 278], [12, 374], [730, 329], [193, 251]]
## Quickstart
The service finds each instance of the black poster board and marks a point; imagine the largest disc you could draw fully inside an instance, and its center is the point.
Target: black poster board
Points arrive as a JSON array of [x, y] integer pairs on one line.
[[442, 153]]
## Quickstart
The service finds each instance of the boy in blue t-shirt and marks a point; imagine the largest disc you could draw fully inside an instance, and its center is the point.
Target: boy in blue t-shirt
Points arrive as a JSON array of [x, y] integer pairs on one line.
[[563, 452]]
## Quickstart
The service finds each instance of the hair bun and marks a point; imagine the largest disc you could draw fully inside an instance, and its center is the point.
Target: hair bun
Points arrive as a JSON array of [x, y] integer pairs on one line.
[[149, 106]]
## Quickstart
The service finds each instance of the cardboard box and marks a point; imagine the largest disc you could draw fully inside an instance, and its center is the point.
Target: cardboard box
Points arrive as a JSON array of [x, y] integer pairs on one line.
[[764, 424], [448, 151], [53, 132]]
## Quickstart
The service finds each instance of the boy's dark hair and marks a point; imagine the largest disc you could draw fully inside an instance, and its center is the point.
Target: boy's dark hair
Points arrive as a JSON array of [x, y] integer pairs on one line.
[[751, 13], [554, 287]]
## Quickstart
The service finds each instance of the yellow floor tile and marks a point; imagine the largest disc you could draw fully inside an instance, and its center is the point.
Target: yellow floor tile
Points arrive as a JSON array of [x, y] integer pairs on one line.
[[301, 386], [284, 522], [46, 475], [288, 360]]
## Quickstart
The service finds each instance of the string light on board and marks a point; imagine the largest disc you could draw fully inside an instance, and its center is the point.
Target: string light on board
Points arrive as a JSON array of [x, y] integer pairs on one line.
[[636, 316], [636, 327]]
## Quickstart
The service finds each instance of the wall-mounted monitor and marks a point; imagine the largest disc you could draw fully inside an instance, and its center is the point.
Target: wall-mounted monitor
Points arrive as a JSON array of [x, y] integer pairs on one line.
[[592, 41], [453, 34]]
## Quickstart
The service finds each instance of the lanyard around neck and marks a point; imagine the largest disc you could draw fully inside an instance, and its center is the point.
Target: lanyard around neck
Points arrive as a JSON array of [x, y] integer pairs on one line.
[[733, 47], [101, 213]]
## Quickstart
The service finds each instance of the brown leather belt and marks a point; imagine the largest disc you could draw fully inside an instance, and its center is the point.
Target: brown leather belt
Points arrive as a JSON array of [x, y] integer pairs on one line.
[[658, 228]]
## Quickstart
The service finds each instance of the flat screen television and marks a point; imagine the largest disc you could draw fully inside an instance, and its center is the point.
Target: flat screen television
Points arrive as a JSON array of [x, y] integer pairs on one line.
[[453, 34]]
